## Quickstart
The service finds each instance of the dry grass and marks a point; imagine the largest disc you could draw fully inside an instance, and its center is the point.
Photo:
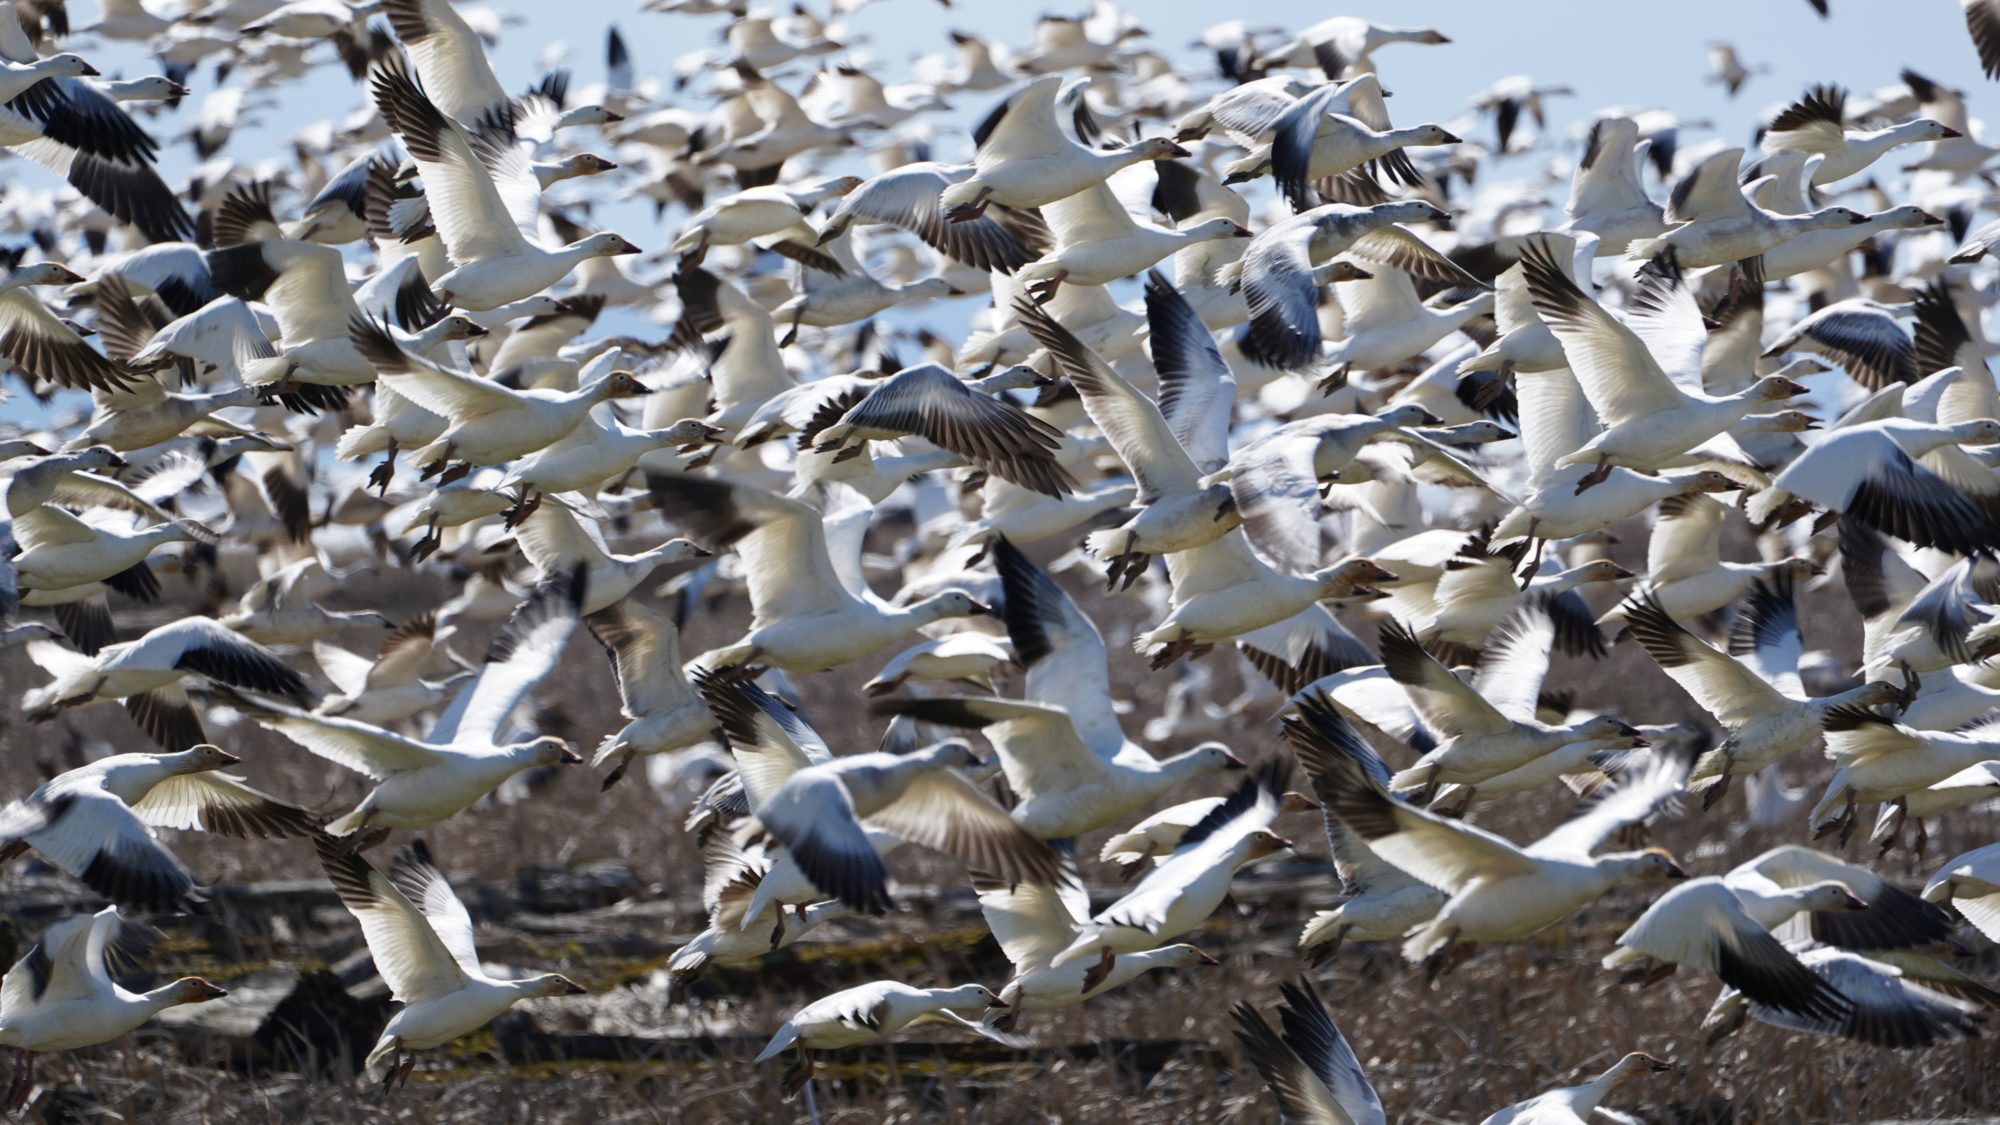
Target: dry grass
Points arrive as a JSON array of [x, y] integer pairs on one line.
[[1511, 1021]]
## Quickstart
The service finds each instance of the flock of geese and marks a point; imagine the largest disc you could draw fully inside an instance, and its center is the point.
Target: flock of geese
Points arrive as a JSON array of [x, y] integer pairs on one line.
[[1253, 365]]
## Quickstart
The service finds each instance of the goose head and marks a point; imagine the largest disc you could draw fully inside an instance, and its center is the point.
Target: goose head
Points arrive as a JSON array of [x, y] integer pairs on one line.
[[1210, 757], [1481, 432], [1600, 570], [1213, 229], [1634, 1065], [96, 459], [152, 88], [551, 984], [1408, 414], [202, 759], [65, 65], [588, 115], [1424, 135], [1351, 579], [1154, 148], [605, 244], [1929, 129], [930, 287], [1265, 842], [1906, 218], [1776, 388], [968, 996], [1341, 270], [1017, 377], [1779, 422], [1828, 896], [1295, 801], [460, 328], [953, 754], [689, 433], [193, 990], [619, 384], [1833, 218], [1983, 431], [43, 273], [1409, 211], [678, 550], [1707, 480], [951, 603], [579, 165], [1651, 863], [548, 750], [1603, 727], [1180, 957]]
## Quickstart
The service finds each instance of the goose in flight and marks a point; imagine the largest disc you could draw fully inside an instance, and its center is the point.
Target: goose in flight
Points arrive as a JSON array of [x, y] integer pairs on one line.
[[1309, 1066]]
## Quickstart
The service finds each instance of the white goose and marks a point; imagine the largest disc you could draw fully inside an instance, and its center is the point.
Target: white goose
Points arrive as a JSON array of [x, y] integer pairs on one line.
[[99, 818], [1817, 123], [1652, 414], [1577, 1105], [147, 673], [816, 807], [419, 782], [1880, 760], [421, 939], [805, 614], [61, 996], [1155, 838], [390, 687], [1310, 1068], [38, 342], [1097, 242], [663, 713], [1035, 921], [558, 542], [1499, 891], [1970, 884], [1875, 473], [1024, 158], [476, 209], [1607, 197], [1705, 924], [1181, 893], [1166, 456], [1712, 223], [1753, 691], [869, 1013], [1684, 565]]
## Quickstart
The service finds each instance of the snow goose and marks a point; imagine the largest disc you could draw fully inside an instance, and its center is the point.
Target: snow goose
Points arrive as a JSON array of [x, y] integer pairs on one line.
[[1883, 915], [815, 808], [1387, 323], [1878, 474], [1177, 511], [147, 672], [965, 657], [1382, 902], [1331, 135], [1651, 415], [100, 816], [419, 782], [1606, 196], [559, 542], [1097, 242], [1507, 98], [870, 1013], [805, 614], [1024, 158], [420, 936], [1970, 786], [1341, 44], [390, 687], [1712, 223], [1753, 690], [1896, 1005], [1910, 626], [593, 455], [663, 713], [61, 996], [1474, 591], [1310, 1068], [1858, 335], [476, 209], [737, 934], [1181, 893], [930, 402], [1525, 342], [39, 343], [1818, 249], [1285, 265], [1489, 726], [1970, 884], [1156, 837], [906, 197], [1222, 590], [1575, 1105], [487, 423], [1499, 891], [774, 217], [1705, 924], [59, 550], [1879, 760], [1275, 481], [279, 609], [1684, 566], [828, 299], [1817, 123], [1035, 921]]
